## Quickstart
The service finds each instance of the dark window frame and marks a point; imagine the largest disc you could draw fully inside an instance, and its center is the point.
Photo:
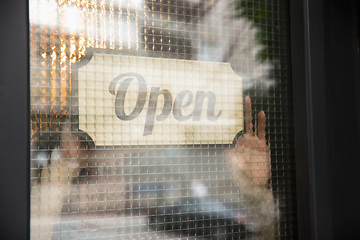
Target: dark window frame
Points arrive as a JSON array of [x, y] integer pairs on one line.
[[14, 121], [325, 66], [326, 73]]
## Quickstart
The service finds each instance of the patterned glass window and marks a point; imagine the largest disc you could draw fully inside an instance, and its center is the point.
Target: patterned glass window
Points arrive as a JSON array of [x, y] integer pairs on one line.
[[161, 119]]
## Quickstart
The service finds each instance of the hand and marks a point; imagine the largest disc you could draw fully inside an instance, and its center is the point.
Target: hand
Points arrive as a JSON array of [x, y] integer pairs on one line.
[[251, 153]]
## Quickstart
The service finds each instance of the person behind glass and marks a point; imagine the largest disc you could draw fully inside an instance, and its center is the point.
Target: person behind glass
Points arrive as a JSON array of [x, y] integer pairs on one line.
[[249, 161]]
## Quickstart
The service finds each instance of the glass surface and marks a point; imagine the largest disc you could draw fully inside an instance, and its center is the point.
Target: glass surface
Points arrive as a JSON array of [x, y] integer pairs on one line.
[[161, 119]]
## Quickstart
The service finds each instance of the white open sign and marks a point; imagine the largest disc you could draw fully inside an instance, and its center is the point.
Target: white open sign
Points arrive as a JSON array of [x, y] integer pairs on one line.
[[128, 100]]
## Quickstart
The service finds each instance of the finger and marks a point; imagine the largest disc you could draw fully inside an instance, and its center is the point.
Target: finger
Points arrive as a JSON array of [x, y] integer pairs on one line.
[[248, 115], [261, 125]]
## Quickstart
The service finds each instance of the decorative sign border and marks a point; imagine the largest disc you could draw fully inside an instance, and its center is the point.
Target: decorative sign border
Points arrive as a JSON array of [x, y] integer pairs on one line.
[[127, 100]]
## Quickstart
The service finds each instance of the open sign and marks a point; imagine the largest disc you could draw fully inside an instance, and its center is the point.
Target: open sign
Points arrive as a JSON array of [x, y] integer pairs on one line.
[[127, 100]]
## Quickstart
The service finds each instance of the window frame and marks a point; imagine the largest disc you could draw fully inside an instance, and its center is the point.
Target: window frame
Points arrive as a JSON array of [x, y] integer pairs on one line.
[[321, 214], [15, 121]]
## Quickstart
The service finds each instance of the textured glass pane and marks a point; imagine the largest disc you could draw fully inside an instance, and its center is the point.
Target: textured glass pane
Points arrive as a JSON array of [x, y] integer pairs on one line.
[[161, 119]]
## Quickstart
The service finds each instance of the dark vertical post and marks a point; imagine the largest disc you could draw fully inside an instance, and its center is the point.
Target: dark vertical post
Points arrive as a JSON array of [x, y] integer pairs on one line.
[[301, 74], [326, 110], [14, 120], [342, 66]]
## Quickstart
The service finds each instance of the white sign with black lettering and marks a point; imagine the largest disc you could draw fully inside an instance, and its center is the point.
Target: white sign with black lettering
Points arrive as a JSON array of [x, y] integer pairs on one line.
[[128, 100]]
